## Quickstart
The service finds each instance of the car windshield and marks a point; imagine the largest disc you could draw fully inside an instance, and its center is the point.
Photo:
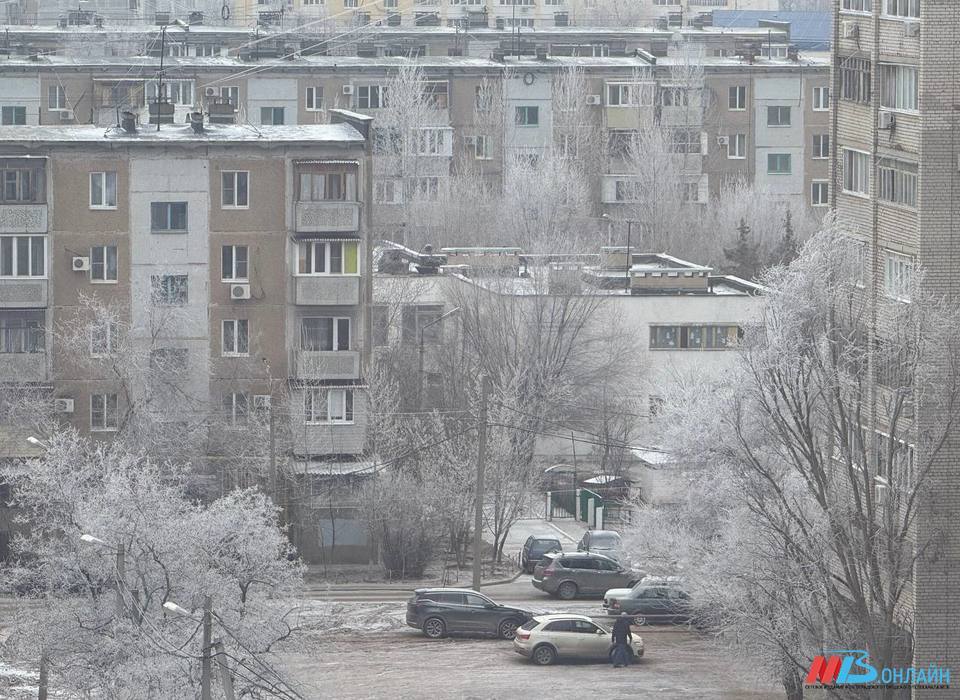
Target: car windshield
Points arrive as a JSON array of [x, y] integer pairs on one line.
[[529, 625], [545, 545], [605, 539]]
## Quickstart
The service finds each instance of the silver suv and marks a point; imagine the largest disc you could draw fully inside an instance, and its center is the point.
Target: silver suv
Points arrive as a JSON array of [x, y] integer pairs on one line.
[[582, 573]]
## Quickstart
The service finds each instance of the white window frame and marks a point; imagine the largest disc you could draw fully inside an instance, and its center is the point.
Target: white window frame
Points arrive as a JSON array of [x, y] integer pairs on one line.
[[821, 98], [158, 284], [105, 178], [735, 98], [370, 94], [336, 403], [59, 95], [906, 88], [104, 277], [273, 113], [11, 249], [630, 94], [169, 218], [815, 186], [901, 9], [310, 100], [389, 185], [897, 275], [14, 111], [110, 331], [430, 141], [862, 7], [231, 412], [107, 402], [335, 322], [237, 331], [314, 246], [178, 92], [483, 152], [231, 93], [850, 157], [819, 153], [897, 182], [734, 149], [237, 176], [234, 276]]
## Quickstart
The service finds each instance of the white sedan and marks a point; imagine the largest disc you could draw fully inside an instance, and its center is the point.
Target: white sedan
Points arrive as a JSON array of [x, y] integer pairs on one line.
[[546, 638]]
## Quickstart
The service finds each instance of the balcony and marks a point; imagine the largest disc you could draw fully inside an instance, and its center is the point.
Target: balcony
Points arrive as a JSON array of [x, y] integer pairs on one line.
[[317, 217], [326, 290], [23, 293], [318, 364], [23, 367], [23, 218]]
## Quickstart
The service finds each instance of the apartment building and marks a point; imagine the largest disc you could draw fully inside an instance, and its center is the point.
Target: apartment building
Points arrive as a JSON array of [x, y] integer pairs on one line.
[[235, 257], [895, 178]]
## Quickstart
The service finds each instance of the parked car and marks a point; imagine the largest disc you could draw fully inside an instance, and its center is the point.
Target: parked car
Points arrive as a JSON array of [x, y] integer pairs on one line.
[[534, 549], [546, 638], [658, 600], [570, 575], [438, 612], [603, 542]]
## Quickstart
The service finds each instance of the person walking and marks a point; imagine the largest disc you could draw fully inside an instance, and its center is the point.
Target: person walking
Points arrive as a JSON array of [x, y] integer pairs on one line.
[[621, 638]]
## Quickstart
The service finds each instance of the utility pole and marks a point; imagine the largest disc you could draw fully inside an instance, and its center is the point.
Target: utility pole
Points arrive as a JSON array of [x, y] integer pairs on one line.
[[205, 663], [44, 675], [629, 259], [121, 577], [274, 481], [163, 38], [226, 677], [481, 465]]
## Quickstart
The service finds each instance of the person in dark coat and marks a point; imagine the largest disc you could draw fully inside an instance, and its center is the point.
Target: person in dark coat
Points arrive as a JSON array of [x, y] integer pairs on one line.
[[621, 638]]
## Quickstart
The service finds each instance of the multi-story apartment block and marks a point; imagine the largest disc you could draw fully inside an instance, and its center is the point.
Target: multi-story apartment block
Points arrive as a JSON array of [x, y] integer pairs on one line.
[[237, 257]]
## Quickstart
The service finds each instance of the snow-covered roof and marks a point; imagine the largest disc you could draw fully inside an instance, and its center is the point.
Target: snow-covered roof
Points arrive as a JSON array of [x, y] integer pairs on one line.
[[325, 468], [654, 457]]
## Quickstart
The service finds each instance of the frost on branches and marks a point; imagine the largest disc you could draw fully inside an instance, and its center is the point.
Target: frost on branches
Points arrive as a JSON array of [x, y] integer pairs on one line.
[[100, 621]]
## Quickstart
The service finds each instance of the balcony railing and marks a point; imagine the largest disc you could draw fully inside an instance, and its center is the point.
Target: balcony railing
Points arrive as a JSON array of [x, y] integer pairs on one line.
[[315, 217], [23, 366], [23, 218], [326, 290], [320, 364], [23, 293]]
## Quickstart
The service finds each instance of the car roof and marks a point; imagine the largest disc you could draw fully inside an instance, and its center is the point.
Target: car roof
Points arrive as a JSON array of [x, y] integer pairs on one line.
[[603, 532], [561, 616], [594, 555], [446, 590]]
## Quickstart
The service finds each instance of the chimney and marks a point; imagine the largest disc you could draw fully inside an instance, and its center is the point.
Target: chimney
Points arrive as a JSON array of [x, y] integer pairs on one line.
[[128, 120], [196, 122]]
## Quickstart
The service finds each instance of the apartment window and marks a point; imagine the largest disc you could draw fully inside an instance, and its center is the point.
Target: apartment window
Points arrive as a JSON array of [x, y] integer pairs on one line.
[[431, 142], [104, 338], [177, 92], [857, 5], [481, 147], [271, 116], [314, 100], [737, 146], [312, 2], [235, 337], [21, 182], [168, 217], [326, 187], [170, 361], [619, 142], [435, 94], [231, 93], [56, 97], [235, 189], [737, 98], [778, 116], [12, 115], [169, 290], [425, 188], [897, 275], [629, 95], [857, 261], [898, 182], [674, 97], [902, 8], [23, 256], [685, 141], [694, 337], [103, 190], [327, 258], [856, 172], [103, 412], [484, 98], [206, 50], [527, 116], [898, 87], [325, 334], [234, 263], [328, 406], [390, 4], [388, 191], [821, 146], [778, 164], [821, 99], [626, 191], [236, 407], [21, 331], [103, 263], [855, 80], [820, 193], [371, 96]]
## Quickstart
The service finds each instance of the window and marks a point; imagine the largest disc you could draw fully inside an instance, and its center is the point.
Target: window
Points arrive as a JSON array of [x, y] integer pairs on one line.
[[234, 189], [314, 99], [627, 191], [481, 147], [387, 191], [902, 8], [694, 337], [527, 116], [236, 407], [205, 50], [776, 51], [169, 290], [234, 263], [435, 94], [177, 92], [271, 116], [13, 116], [21, 331], [329, 186], [325, 334], [855, 80], [821, 146], [821, 99], [629, 95], [898, 182], [231, 93], [236, 337], [327, 258], [820, 193], [103, 263], [103, 338], [778, 164], [56, 97], [23, 256], [685, 141], [168, 217], [431, 142], [898, 87], [856, 172], [371, 96], [897, 275], [417, 319], [778, 116], [22, 182], [674, 97], [169, 361], [103, 412], [857, 5], [103, 190], [737, 146], [484, 98], [426, 188], [619, 142], [328, 406], [857, 261], [737, 98]]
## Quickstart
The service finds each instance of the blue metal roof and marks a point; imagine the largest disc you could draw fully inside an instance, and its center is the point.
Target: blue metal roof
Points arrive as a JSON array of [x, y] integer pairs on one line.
[[810, 31]]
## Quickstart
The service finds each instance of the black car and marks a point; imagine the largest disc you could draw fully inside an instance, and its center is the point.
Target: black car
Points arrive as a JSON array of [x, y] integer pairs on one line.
[[442, 611], [534, 549]]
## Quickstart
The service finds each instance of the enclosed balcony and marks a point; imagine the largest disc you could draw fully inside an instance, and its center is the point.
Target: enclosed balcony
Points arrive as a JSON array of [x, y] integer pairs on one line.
[[327, 197], [23, 356], [325, 364], [23, 203]]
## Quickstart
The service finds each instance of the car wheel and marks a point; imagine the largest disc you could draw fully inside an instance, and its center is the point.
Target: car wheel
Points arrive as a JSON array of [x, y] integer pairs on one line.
[[434, 628], [507, 629], [544, 655], [639, 620], [567, 590]]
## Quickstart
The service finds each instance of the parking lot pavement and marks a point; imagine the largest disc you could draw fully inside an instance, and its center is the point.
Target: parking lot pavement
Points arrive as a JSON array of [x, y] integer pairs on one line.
[[404, 664]]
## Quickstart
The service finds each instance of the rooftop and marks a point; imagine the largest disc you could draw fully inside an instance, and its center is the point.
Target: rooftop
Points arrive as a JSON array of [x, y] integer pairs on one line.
[[313, 134]]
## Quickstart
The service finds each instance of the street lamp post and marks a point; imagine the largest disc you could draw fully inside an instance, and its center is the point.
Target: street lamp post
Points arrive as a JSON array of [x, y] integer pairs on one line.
[[440, 318]]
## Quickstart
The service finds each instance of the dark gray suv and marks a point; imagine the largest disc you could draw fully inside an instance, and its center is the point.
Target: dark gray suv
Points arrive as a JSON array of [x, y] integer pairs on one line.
[[583, 573], [442, 611]]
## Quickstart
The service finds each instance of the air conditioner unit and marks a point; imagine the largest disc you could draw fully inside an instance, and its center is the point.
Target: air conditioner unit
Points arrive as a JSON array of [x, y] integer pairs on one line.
[[239, 291], [66, 115], [886, 120], [593, 99], [348, 89], [723, 140], [851, 30], [63, 405], [80, 264], [210, 92], [911, 29]]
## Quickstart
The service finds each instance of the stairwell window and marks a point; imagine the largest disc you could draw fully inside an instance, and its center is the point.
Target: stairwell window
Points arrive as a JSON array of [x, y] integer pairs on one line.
[[897, 276], [168, 217], [820, 193], [272, 116], [898, 182], [527, 116], [103, 412], [12, 115], [103, 263], [235, 337], [778, 116], [328, 406], [778, 164], [104, 338], [856, 172], [855, 79], [236, 407], [737, 146], [103, 190], [327, 258], [168, 290], [898, 87]]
